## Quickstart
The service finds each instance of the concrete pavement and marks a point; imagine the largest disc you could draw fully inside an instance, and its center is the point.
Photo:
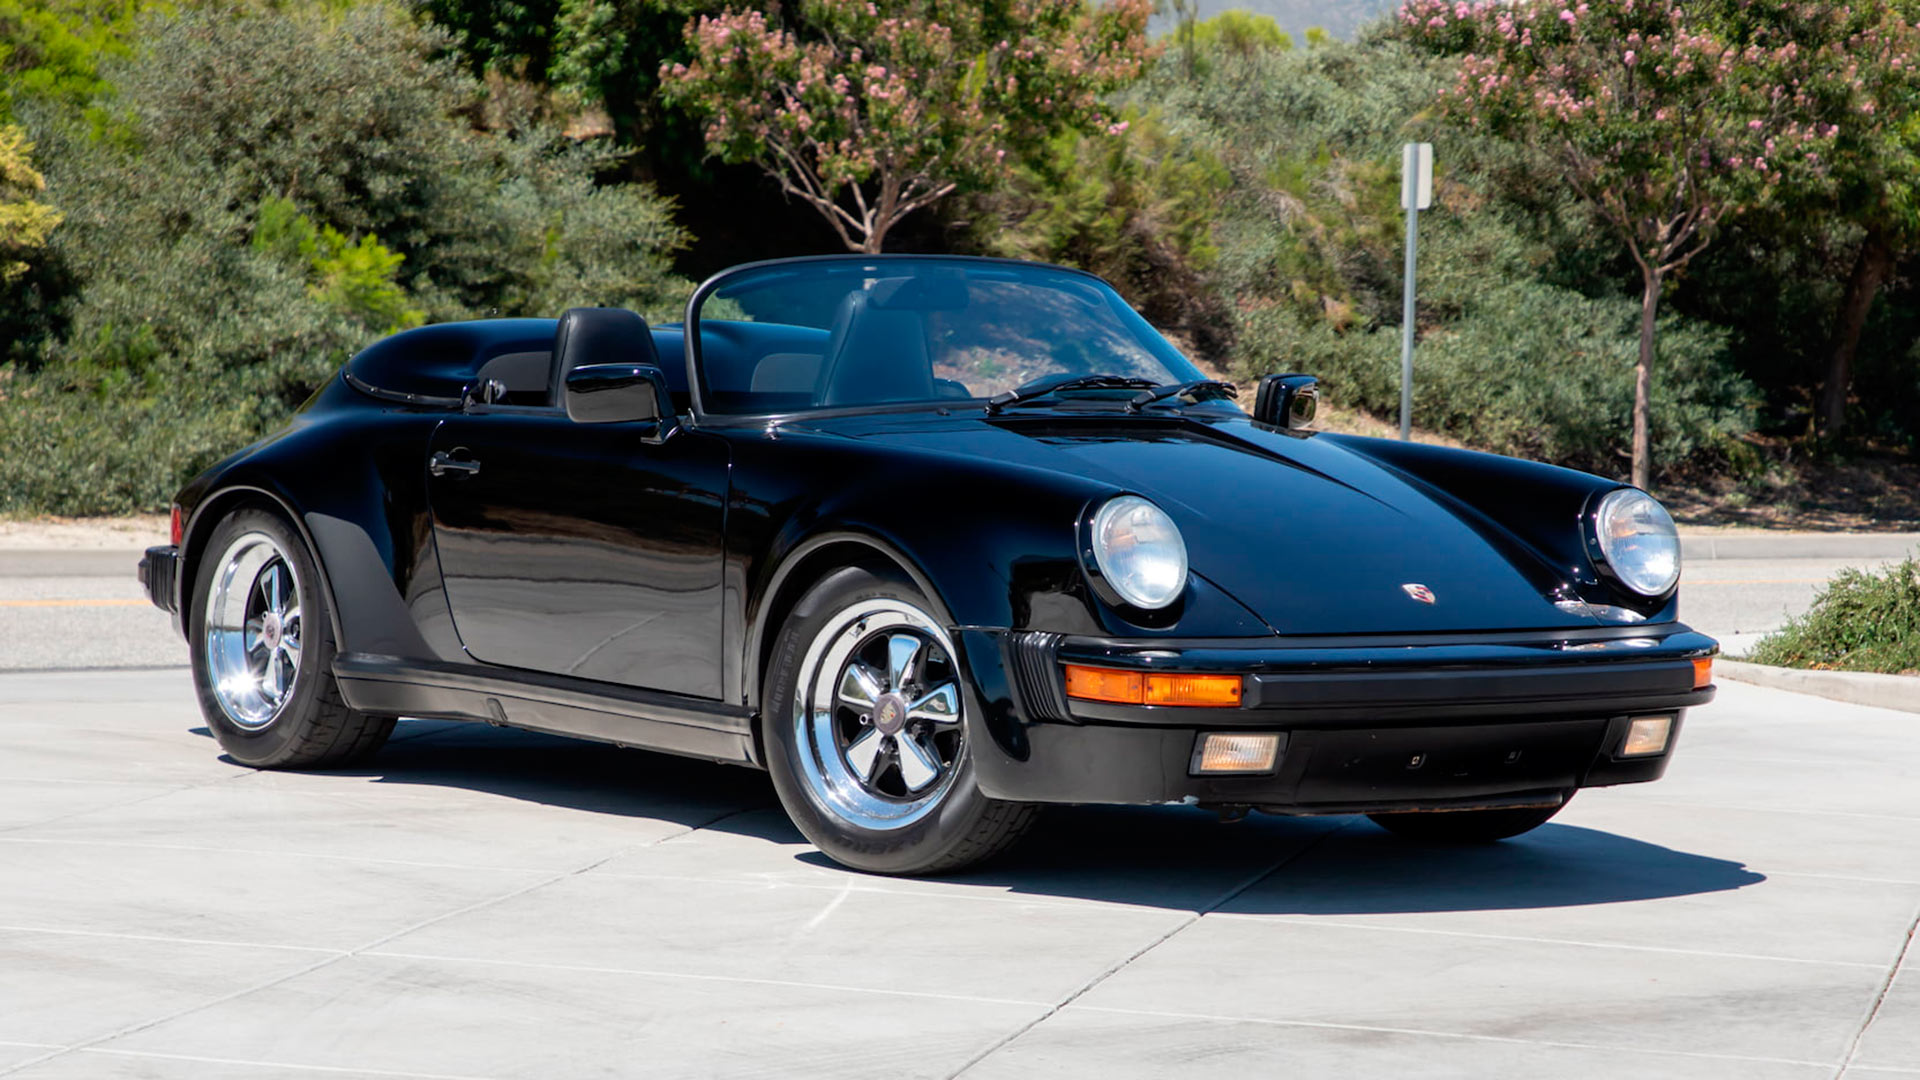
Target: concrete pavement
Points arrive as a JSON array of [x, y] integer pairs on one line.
[[485, 903]]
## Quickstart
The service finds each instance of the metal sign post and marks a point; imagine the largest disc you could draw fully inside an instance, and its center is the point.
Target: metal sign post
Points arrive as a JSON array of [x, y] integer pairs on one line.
[[1416, 194]]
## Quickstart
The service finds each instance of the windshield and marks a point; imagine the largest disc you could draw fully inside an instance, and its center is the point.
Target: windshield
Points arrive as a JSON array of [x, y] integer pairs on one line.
[[848, 332]]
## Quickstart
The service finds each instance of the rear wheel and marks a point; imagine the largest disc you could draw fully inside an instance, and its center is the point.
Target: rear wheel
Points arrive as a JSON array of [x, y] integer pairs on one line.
[[1466, 826], [866, 735], [263, 648]]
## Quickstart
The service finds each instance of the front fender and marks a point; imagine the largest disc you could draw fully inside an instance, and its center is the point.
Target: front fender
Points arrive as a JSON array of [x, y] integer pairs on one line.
[[993, 544]]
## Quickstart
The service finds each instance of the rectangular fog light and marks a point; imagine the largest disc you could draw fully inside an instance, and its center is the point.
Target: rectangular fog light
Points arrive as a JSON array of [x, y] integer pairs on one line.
[[1647, 735], [1220, 752]]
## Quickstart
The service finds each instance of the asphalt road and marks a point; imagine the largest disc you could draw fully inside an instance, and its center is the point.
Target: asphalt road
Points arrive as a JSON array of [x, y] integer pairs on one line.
[[1740, 600], [479, 903]]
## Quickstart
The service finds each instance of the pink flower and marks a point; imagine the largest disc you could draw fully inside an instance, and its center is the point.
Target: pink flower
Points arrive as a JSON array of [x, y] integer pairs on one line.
[[1629, 58], [1566, 17], [1117, 129]]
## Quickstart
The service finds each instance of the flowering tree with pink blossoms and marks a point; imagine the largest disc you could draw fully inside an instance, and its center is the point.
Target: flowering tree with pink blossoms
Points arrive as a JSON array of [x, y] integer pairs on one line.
[[1665, 117], [868, 110], [1872, 109]]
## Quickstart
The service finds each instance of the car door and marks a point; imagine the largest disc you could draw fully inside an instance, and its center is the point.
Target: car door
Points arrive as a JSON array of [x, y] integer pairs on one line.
[[582, 549]]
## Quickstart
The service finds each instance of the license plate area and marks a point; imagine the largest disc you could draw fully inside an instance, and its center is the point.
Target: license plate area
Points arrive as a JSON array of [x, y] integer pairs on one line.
[[1432, 762]]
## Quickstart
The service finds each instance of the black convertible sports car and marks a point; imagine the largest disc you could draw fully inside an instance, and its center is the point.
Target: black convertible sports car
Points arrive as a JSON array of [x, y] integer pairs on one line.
[[934, 541]]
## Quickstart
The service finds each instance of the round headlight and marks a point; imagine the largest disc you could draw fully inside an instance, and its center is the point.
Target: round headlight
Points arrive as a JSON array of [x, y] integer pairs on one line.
[[1638, 541], [1139, 552]]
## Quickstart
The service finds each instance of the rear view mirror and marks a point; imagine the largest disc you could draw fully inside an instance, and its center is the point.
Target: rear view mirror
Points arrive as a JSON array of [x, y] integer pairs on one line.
[[617, 394], [1287, 401]]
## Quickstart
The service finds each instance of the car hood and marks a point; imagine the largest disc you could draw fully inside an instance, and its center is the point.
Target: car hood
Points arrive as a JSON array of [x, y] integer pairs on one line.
[[1312, 537]]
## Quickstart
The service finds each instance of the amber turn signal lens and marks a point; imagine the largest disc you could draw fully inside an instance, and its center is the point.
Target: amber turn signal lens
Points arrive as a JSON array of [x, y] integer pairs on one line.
[[1703, 672], [1217, 691], [1154, 688], [1105, 684]]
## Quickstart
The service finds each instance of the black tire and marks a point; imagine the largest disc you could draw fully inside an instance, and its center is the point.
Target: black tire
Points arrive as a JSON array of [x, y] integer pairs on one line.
[[1466, 826], [312, 728], [955, 826]]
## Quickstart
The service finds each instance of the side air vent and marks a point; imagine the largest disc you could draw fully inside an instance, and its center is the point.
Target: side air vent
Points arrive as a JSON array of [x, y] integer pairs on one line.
[[1036, 675]]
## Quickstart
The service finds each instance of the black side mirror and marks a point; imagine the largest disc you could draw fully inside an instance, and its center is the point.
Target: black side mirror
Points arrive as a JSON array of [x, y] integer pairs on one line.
[[618, 394], [1288, 401]]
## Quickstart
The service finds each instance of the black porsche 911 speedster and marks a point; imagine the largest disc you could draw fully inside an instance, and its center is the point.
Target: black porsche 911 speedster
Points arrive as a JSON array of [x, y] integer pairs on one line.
[[935, 541]]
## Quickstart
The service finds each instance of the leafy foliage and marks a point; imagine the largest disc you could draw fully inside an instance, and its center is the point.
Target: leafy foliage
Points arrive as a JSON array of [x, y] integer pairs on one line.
[[354, 278], [251, 192], [868, 111], [25, 222], [1137, 208], [1660, 119], [1862, 621], [52, 49], [265, 194]]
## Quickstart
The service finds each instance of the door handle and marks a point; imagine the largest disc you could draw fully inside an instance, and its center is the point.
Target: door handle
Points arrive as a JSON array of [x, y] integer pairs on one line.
[[443, 462]]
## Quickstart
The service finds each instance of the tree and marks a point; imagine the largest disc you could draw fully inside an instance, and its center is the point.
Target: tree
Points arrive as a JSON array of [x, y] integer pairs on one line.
[[51, 49], [869, 111], [24, 222], [362, 121], [1662, 123], [1872, 102]]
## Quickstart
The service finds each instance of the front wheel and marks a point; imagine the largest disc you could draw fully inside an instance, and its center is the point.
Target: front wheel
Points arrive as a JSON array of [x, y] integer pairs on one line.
[[866, 737], [1466, 826], [263, 651]]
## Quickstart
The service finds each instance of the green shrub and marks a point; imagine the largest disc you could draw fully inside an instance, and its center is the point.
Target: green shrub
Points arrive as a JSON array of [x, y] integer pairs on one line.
[[1137, 208], [1527, 369], [1310, 238], [51, 49], [1861, 622], [267, 192]]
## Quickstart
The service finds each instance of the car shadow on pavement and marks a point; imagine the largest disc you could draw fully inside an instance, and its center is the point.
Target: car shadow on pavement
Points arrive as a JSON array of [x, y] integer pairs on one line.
[[1165, 856], [1346, 865], [551, 770]]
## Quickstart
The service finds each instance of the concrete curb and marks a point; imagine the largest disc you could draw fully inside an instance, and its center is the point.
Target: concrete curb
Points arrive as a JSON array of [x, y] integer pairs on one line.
[[1696, 547], [1900, 692]]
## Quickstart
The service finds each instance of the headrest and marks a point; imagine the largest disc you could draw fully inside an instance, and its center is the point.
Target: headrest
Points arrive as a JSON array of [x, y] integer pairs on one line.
[[876, 355], [589, 335]]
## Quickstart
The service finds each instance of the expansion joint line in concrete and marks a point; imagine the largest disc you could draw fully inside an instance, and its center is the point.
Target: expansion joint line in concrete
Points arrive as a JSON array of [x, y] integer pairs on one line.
[[1880, 997], [1224, 899]]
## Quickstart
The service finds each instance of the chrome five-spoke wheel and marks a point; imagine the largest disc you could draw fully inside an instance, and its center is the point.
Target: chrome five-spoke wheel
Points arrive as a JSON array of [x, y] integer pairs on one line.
[[879, 717], [253, 630], [866, 732]]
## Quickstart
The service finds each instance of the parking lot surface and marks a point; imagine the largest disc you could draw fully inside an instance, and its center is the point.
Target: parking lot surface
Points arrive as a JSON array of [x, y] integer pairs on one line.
[[485, 903]]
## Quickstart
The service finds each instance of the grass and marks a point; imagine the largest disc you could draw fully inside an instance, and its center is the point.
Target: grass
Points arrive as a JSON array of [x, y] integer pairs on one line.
[[1861, 622]]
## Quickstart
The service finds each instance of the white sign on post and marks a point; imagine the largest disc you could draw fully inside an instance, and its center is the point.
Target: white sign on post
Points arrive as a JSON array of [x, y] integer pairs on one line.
[[1416, 194], [1416, 177]]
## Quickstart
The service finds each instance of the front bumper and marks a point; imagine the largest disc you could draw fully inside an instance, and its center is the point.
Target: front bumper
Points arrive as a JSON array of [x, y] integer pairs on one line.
[[160, 576], [1366, 724]]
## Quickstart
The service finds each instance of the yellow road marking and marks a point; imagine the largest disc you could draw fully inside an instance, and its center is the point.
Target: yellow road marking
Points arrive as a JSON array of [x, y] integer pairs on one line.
[[73, 603]]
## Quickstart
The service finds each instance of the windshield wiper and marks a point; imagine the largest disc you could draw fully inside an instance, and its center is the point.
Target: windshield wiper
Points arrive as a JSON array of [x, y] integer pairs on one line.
[[1052, 384], [1200, 390]]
